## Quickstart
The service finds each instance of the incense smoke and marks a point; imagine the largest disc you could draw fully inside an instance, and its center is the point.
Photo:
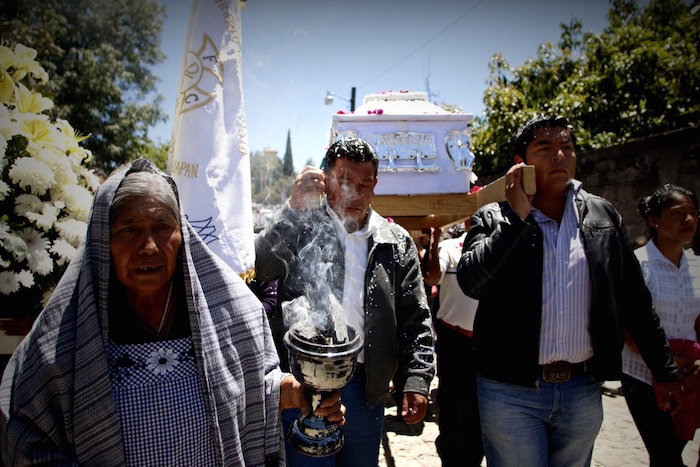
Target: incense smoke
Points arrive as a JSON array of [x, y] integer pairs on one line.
[[311, 272]]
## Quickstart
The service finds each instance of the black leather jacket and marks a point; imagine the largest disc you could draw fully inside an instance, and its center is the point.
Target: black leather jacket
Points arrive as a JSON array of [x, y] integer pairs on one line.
[[501, 266], [398, 337]]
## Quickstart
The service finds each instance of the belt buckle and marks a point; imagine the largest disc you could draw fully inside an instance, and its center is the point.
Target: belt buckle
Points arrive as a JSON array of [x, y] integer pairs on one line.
[[557, 372]]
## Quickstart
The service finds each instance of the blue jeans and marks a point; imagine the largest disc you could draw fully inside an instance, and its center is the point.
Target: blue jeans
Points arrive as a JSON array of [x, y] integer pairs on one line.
[[547, 425], [362, 429]]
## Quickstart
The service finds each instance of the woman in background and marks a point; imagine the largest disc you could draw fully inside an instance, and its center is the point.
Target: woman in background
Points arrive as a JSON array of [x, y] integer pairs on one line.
[[672, 275]]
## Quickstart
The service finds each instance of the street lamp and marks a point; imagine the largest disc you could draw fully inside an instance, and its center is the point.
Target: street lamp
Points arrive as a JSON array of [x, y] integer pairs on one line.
[[330, 94]]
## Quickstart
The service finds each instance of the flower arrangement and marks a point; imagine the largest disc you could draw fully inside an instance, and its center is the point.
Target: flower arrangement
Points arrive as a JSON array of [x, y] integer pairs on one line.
[[45, 188]]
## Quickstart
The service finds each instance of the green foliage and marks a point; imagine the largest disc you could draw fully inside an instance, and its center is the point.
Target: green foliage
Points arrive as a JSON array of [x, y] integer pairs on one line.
[[99, 54], [640, 76], [156, 153], [269, 184]]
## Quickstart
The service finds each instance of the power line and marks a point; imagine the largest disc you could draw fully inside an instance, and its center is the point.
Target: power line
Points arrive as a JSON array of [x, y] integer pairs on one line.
[[424, 44]]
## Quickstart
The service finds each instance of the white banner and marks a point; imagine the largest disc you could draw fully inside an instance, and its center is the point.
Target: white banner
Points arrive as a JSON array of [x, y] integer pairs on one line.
[[208, 155]]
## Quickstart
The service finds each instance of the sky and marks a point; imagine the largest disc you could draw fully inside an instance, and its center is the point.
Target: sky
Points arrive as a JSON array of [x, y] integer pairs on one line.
[[295, 50]]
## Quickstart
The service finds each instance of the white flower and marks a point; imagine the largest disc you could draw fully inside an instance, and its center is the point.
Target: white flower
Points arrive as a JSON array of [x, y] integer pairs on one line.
[[4, 190], [43, 175], [23, 61], [38, 257], [6, 86], [32, 174], [8, 128], [26, 278], [25, 203], [46, 219], [69, 138], [78, 157], [23, 56], [72, 230], [161, 361], [59, 165], [36, 242], [78, 200], [11, 242], [38, 130], [28, 101], [7, 83], [8, 282], [40, 262], [64, 250], [91, 180]]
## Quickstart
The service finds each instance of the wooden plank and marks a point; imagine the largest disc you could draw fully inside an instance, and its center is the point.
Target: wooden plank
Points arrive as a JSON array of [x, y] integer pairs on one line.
[[495, 191], [422, 205], [423, 222], [417, 212]]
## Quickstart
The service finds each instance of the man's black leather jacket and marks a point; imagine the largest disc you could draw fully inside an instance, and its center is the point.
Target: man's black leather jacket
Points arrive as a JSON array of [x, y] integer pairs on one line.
[[398, 338], [501, 266]]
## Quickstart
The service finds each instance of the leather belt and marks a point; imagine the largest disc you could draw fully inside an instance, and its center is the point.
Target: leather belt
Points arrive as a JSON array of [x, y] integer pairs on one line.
[[464, 332], [561, 371]]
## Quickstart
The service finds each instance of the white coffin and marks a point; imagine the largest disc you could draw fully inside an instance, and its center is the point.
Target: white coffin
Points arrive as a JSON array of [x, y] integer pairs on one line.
[[422, 148]]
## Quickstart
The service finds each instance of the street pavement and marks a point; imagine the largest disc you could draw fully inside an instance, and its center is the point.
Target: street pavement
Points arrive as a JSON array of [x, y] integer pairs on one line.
[[618, 443]]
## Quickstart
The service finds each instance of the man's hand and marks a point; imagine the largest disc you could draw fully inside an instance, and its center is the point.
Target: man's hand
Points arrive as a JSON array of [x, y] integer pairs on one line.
[[413, 408], [430, 261], [293, 395], [309, 188], [332, 409], [672, 395], [691, 374], [519, 202]]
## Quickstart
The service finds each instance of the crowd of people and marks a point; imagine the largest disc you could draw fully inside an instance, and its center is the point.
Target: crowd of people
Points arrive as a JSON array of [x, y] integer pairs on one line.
[[152, 351]]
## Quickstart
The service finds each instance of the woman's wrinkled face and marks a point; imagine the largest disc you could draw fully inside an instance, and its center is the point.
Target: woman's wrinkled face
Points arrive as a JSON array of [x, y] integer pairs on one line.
[[677, 222], [144, 243]]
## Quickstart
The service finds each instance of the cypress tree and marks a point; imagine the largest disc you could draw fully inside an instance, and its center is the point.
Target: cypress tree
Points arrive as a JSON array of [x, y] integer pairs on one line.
[[287, 162]]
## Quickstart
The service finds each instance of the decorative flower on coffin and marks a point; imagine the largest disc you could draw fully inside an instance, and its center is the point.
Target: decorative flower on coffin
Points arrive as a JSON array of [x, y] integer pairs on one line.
[[45, 187], [162, 361]]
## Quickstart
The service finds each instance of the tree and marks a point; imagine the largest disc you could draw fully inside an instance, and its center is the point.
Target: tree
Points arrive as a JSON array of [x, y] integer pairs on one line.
[[287, 162], [639, 76], [157, 153], [99, 54], [258, 175], [269, 184]]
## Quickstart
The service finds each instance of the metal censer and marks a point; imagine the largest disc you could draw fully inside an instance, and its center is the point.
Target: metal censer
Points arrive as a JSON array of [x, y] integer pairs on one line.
[[321, 366]]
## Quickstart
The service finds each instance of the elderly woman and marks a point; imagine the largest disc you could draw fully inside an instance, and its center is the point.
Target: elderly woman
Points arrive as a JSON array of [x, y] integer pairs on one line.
[[151, 350]]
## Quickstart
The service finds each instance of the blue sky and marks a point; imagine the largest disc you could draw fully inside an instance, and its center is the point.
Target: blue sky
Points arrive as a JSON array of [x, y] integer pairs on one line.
[[294, 51]]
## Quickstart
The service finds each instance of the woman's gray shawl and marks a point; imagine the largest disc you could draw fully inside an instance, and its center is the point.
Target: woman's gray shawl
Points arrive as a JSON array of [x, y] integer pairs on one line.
[[56, 404]]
